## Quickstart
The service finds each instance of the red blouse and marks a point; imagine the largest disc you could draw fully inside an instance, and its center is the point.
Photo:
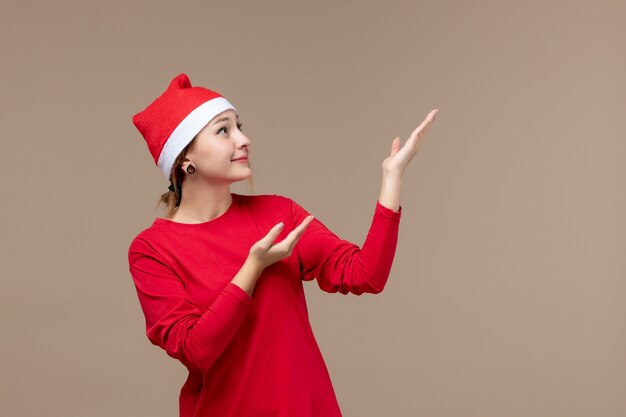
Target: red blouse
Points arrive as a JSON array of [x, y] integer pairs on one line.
[[251, 355]]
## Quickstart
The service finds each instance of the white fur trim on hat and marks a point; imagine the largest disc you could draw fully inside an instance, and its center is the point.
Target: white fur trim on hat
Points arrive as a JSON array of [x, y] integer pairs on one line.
[[188, 128]]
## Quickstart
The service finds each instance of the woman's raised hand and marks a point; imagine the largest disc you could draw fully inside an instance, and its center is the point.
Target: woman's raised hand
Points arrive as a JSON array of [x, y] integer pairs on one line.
[[264, 252], [400, 157]]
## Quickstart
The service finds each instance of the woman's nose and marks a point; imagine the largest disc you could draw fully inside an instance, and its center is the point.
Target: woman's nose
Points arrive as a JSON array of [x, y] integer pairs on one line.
[[244, 140]]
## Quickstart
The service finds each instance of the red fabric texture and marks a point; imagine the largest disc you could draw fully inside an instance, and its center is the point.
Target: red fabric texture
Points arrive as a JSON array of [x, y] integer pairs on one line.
[[251, 355]]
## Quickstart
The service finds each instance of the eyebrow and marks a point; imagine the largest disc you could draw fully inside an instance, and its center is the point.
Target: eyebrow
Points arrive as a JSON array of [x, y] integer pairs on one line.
[[221, 119]]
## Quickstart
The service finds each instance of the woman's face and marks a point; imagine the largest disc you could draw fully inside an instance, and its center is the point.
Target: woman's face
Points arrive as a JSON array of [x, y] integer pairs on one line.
[[217, 145]]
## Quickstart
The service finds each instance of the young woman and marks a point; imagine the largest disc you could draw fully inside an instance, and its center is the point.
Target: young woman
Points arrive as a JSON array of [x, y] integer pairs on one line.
[[219, 279]]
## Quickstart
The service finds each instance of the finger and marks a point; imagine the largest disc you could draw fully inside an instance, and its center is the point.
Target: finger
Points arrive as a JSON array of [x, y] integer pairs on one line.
[[423, 127], [271, 236], [395, 146], [299, 230], [293, 237]]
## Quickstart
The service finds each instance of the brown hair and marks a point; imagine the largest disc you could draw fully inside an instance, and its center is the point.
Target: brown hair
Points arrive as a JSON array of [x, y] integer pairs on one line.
[[171, 199]]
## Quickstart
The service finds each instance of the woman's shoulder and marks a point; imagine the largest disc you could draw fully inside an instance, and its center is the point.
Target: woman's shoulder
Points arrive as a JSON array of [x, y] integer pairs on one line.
[[150, 237], [142, 240]]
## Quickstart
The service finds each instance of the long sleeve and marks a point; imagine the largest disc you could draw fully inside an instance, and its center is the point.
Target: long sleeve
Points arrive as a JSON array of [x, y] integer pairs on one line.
[[342, 266], [196, 338]]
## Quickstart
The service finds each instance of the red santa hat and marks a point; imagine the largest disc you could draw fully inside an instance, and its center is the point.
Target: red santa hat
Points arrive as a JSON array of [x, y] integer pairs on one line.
[[171, 121]]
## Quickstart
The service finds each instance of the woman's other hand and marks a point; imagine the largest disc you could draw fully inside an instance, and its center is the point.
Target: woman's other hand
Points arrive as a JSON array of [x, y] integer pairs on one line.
[[395, 163], [264, 252]]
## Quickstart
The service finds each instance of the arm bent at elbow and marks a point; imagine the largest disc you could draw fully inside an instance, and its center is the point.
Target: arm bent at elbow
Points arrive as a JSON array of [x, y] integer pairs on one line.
[[173, 322], [195, 339]]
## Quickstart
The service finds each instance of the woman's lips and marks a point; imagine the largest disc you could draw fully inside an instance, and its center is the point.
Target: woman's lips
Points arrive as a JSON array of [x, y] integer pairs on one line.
[[241, 160]]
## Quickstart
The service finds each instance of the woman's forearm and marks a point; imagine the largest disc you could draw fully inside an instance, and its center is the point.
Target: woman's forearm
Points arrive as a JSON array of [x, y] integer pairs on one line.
[[390, 191], [247, 276], [394, 165]]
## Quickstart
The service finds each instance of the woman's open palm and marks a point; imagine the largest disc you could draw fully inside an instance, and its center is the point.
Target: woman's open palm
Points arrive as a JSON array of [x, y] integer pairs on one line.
[[401, 156], [265, 252]]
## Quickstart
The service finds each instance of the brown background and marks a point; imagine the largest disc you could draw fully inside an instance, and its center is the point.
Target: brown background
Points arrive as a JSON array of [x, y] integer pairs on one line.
[[506, 297]]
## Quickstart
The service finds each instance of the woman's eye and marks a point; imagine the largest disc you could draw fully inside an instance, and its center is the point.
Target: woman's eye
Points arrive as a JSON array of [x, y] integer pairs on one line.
[[239, 125]]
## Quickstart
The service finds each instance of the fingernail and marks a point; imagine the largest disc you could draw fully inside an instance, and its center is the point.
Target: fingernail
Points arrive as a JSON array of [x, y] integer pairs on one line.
[[280, 225]]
